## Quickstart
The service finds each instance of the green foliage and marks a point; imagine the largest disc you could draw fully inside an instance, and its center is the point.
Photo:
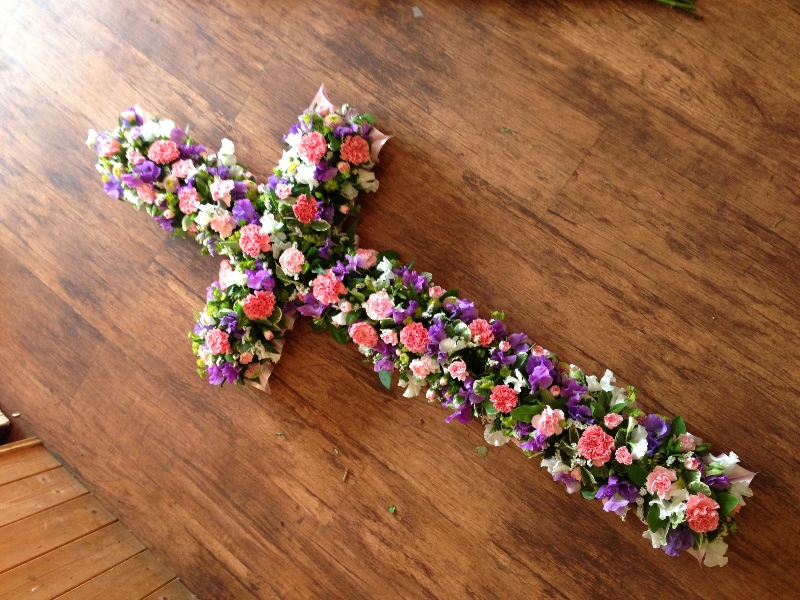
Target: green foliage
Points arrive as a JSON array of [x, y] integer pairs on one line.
[[637, 474], [386, 378]]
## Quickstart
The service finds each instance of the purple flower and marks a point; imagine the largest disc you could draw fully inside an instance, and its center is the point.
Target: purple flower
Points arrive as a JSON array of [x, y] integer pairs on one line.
[[325, 250], [343, 130], [463, 414], [243, 211], [567, 480], [327, 212], [259, 279], [536, 443], [311, 307], [342, 269], [718, 483], [324, 172], [176, 135], [148, 171], [461, 309], [579, 412], [113, 188], [399, 315], [210, 290], [229, 322], [656, 430], [231, 372], [679, 539], [519, 342], [437, 333], [618, 494], [412, 279], [384, 364], [499, 329], [523, 429], [221, 171], [193, 151], [239, 190], [500, 357], [540, 372], [130, 179], [215, 375]]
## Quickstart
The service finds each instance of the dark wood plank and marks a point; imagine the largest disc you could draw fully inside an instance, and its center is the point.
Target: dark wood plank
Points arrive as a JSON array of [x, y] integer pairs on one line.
[[43, 532], [34, 494], [59, 571], [24, 463], [174, 590], [134, 579]]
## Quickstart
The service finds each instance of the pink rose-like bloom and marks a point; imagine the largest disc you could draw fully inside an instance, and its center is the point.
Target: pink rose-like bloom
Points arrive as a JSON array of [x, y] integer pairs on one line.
[[701, 513], [481, 332], [246, 358], [612, 420], [146, 192], [268, 335], [313, 147], [327, 288], [363, 334], [623, 456], [435, 291], [687, 442], [305, 209], [223, 224], [345, 306], [134, 156], [163, 152], [182, 168], [548, 422], [292, 261], [556, 391], [431, 395], [415, 337], [344, 209], [389, 336], [693, 463], [343, 166], [259, 305], [539, 351], [221, 190], [107, 146], [283, 190], [217, 341], [252, 241], [366, 259], [188, 200], [576, 473], [355, 149], [458, 370], [168, 214], [595, 445], [379, 306], [224, 269], [504, 398], [660, 482], [504, 346], [420, 367]]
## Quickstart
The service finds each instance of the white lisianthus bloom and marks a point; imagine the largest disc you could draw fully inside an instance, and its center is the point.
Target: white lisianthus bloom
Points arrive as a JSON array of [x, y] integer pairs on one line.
[[495, 438], [226, 155], [674, 507], [305, 175], [451, 345], [385, 267], [286, 159], [92, 139], [236, 171], [150, 130], [348, 191], [340, 319], [738, 477], [165, 127], [205, 213], [413, 387], [206, 319], [715, 554], [605, 384], [554, 465], [269, 224], [134, 199], [657, 538], [279, 244], [367, 181], [294, 139], [516, 381], [638, 439], [230, 278]]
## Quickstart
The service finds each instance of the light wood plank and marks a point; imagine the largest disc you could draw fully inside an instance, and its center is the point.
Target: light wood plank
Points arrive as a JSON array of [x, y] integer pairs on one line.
[[19, 444], [24, 463], [134, 579], [174, 590], [63, 569], [29, 538], [37, 493]]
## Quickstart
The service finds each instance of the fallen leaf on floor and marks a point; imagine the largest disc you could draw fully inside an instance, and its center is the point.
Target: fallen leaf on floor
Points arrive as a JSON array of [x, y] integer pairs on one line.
[[482, 451], [392, 509], [417, 12]]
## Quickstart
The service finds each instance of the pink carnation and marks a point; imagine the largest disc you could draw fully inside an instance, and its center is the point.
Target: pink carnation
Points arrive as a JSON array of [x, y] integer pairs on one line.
[[366, 259], [223, 224], [163, 152], [292, 261], [313, 147], [481, 332], [246, 358], [458, 370], [687, 442], [612, 420], [146, 192], [343, 166], [224, 269], [596, 445], [660, 482], [259, 305], [693, 464], [283, 190], [420, 367], [363, 334], [379, 306], [305, 209], [389, 336], [182, 168], [221, 190], [415, 337], [327, 288], [556, 391], [623, 455], [355, 149], [701, 512], [107, 146], [548, 422], [435, 291], [252, 241], [188, 200], [134, 156], [504, 398], [217, 341], [539, 351]]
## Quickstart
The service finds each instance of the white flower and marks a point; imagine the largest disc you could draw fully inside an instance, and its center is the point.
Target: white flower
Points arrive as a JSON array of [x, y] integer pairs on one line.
[[348, 191], [367, 181], [385, 267], [206, 319], [657, 538], [517, 381], [495, 438], [340, 319], [132, 198], [413, 387], [294, 139], [269, 224], [279, 244], [605, 384], [638, 438], [723, 461], [450, 345], [205, 213], [92, 139], [738, 477], [233, 277], [305, 175], [165, 128], [287, 158], [236, 171], [673, 508], [149, 131], [226, 155], [554, 465], [715, 554]]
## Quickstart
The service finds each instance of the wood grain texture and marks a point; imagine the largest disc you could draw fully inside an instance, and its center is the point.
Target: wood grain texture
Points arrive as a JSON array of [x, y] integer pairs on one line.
[[642, 215], [36, 493], [174, 590], [27, 462]]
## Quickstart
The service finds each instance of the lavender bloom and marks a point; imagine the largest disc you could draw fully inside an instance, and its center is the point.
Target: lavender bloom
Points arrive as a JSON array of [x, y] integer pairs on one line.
[[467, 391], [239, 190], [166, 224], [192, 151], [311, 307], [436, 333], [148, 171], [324, 173], [656, 430], [177, 135], [400, 315], [461, 309], [500, 357], [540, 372], [327, 212], [678, 540], [618, 493], [113, 188], [463, 414], [343, 130], [579, 412], [499, 329], [229, 322], [243, 211], [412, 279], [567, 480], [384, 364], [130, 179], [215, 376], [259, 279], [211, 289], [342, 269], [325, 250], [718, 483], [231, 372], [536, 443], [523, 429], [222, 171]]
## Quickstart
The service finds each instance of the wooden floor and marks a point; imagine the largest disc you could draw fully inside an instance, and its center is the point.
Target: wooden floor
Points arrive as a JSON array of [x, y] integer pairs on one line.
[[58, 541], [642, 214]]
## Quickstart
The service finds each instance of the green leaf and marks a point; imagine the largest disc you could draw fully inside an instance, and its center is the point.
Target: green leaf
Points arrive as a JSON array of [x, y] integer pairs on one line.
[[589, 494], [392, 509], [698, 487], [678, 426], [598, 412], [352, 316], [369, 118], [637, 474], [320, 225], [526, 412], [317, 325], [339, 333], [506, 130], [386, 378], [691, 477], [481, 451], [489, 408], [727, 502], [621, 439], [522, 358], [450, 294], [654, 520], [390, 254], [547, 396], [357, 295], [702, 447]]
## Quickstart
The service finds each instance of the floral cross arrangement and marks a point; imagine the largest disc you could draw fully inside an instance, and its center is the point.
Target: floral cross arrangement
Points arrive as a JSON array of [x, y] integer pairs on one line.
[[290, 248]]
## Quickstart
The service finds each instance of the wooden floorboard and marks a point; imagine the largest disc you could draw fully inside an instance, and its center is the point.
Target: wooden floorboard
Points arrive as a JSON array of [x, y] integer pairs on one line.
[[27, 462], [642, 215]]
